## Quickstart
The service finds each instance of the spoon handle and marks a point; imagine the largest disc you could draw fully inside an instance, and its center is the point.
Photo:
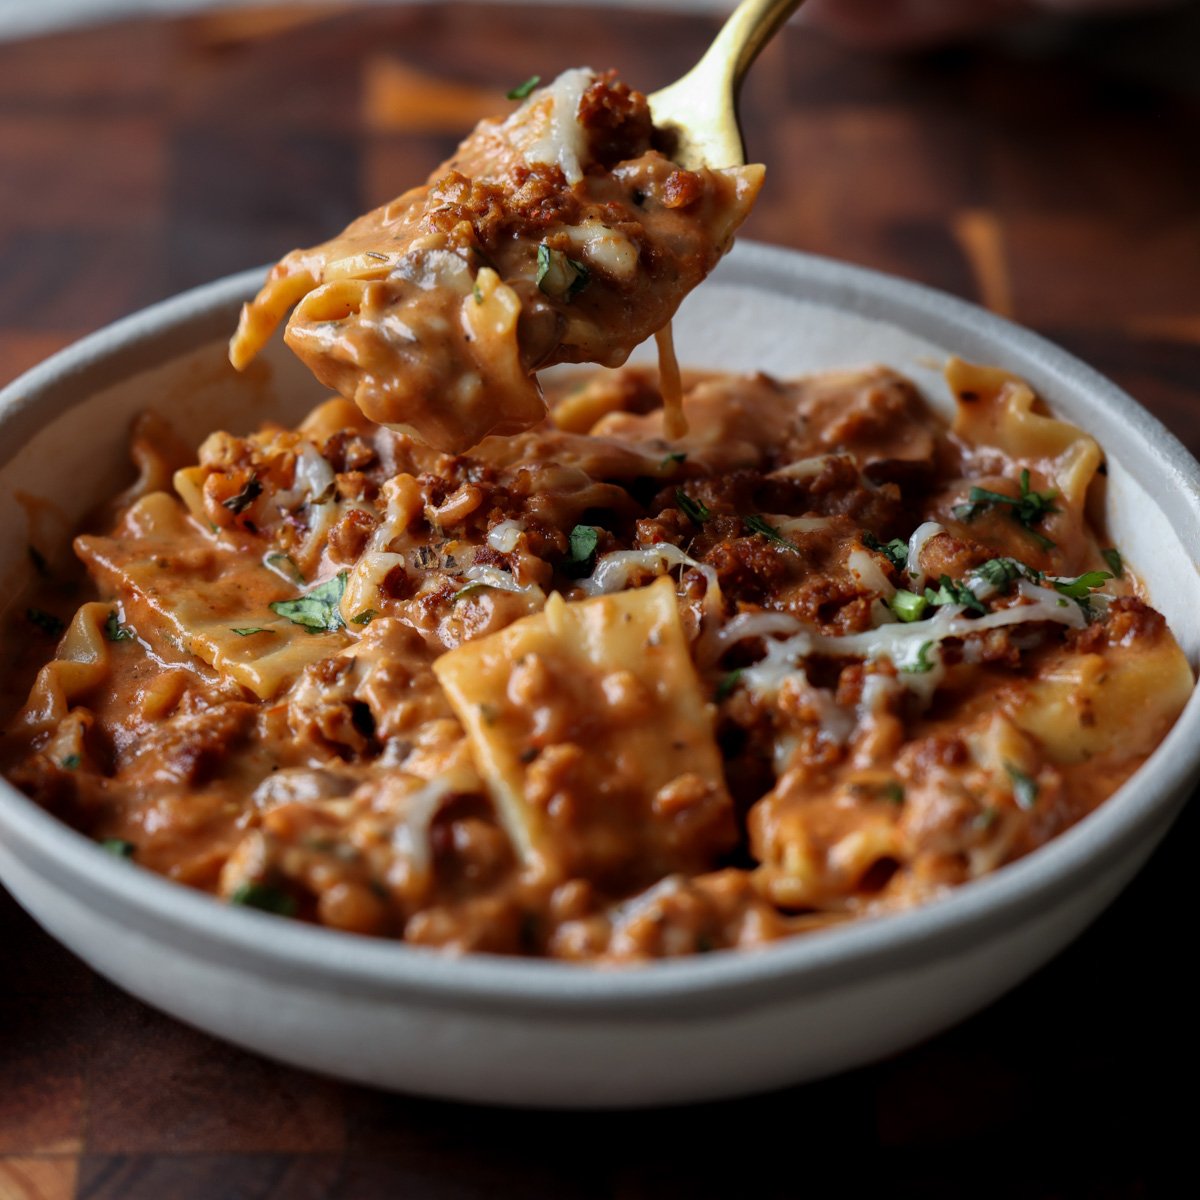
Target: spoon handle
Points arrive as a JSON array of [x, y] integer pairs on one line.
[[700, 109], [749, 28]]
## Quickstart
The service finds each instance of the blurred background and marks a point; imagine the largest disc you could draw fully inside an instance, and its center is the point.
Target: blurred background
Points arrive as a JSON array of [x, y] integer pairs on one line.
[[1039, 158]]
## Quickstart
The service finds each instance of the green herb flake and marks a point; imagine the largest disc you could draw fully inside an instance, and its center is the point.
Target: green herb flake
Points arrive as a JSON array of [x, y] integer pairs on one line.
[[728, 682], [558, 276], [895, 551], [46, 622], [949, 592], [328, 494], [71, 762], [318, 610], [242, 501], [582, 545], [251, 630], [761, 525], [986, 819], [118, 847], [1024, 787], [1112, 556], [471, 589], [673, 459], [365, 617], [893, 792], [265, 898], [908, 606], [921, 664], [1001, 572], [1080, 587], [1028, 509], [695, 510], [522, 90], [477, 293], [115, 631], [285, 566]]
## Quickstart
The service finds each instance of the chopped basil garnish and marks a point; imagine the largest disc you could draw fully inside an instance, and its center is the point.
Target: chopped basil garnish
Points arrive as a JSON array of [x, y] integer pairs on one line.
[[46, 622], [694, 510], [365, 617], [582, 542], [522, 90], [118, 847], [949, 592], [1112, 556], [727, 684], [559, 276], [250, 630], [676, 456], [115, 631], [1027, 509], [895, 551], [893, 791], [244, 498], [908, 606], [921, 663], [477, 293], [265, 898], [1000, 572], [1024, 787], [319, 609], [757, 524], [1079, 588], [71, 762]]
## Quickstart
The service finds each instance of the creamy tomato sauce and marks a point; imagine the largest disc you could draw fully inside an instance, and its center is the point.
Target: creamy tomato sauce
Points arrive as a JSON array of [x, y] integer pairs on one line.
[[597, 693], [561, 234]]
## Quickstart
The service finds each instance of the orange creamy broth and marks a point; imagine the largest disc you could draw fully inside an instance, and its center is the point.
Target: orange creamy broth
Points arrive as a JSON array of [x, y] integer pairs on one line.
[[592, 693]]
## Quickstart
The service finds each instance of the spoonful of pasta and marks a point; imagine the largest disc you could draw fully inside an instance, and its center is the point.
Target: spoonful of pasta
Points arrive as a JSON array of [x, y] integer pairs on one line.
[[568, 231]]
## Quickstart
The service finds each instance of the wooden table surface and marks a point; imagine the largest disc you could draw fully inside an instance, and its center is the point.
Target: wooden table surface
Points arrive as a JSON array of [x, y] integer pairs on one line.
[[1053, 176]]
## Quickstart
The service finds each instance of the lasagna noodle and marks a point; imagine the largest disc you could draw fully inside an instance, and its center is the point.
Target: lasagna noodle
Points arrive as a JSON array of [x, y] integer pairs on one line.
[[596, 701]]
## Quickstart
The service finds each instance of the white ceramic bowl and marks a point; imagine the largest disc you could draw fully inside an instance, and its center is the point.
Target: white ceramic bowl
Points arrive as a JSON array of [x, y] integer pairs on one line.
[[517, 1032]]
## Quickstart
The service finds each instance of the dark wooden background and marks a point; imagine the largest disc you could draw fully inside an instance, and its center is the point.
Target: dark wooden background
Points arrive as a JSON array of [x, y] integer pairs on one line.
[[1052, 175]]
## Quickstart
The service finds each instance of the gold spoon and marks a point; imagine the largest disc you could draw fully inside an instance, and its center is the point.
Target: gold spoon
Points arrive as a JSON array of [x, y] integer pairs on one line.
[[700, 109]]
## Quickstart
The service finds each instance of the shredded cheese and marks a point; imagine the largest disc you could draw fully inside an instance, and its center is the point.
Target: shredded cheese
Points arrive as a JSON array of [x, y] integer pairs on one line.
[[916, 543], [612, 572], [912, 647], [671, 384], [563, 142], [505, 536]]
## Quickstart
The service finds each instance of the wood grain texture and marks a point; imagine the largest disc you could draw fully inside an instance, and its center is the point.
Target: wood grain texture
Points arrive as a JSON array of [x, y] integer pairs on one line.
[[1055, 180]]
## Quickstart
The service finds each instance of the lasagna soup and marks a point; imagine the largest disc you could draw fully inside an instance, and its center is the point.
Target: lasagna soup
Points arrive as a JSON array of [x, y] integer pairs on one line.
[[594, 691]]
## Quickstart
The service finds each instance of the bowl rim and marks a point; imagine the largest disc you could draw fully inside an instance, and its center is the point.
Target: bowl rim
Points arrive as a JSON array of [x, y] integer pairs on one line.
[[331, 961]]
